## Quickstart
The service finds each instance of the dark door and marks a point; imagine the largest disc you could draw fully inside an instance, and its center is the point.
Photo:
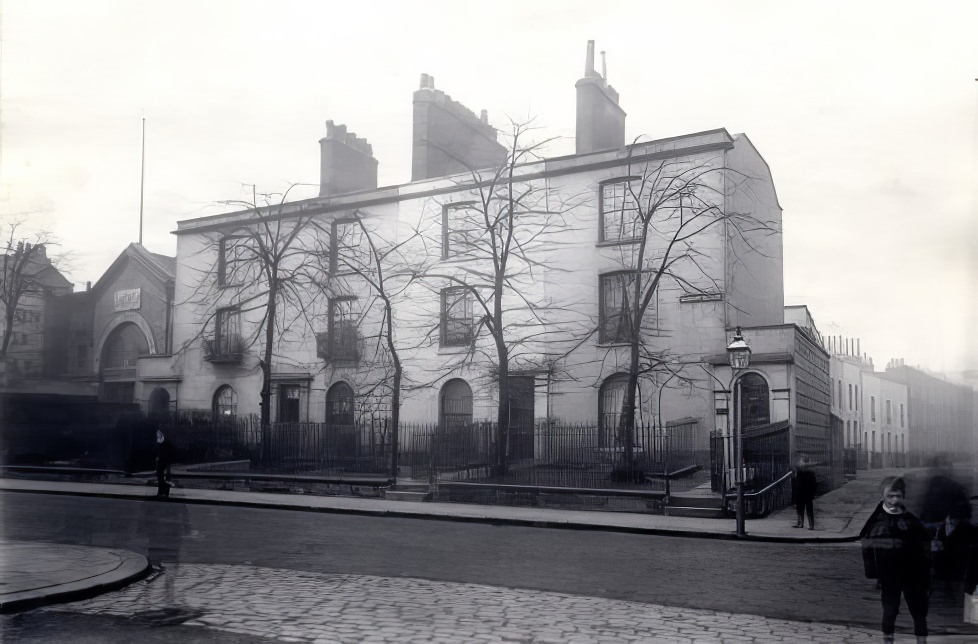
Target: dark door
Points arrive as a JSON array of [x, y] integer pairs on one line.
[[520, 417]]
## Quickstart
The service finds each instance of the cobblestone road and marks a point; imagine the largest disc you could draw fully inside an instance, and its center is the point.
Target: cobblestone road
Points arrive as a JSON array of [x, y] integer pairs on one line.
[[291, 606]]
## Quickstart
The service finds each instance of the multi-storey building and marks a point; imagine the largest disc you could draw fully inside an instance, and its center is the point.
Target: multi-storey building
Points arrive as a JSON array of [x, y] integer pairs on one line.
[[940, 415], [561, 304]]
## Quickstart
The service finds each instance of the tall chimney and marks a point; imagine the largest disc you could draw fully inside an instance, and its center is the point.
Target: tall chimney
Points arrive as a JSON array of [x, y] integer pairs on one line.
[[347, 163], [600, 120]]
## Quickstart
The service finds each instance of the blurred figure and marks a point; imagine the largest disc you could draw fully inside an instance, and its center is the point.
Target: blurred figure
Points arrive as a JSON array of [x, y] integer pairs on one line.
[[164, 458], [895, 547], [943, 493], [955, 554], [803, 486]]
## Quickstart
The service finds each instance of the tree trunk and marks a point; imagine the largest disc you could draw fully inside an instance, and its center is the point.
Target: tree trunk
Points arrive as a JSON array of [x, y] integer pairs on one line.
[[266, 375]]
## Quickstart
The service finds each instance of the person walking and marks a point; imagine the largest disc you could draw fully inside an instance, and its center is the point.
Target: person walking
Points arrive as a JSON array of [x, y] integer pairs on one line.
[[895, 546], [164, 458], [803, 486]]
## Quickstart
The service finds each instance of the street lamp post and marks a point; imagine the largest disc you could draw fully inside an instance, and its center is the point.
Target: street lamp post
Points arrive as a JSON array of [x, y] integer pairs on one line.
[[738, 352]]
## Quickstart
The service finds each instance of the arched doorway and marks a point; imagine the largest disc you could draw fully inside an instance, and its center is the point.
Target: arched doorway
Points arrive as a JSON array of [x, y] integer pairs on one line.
[[341, 437], [117, 365], [611, 398], [159, 403]]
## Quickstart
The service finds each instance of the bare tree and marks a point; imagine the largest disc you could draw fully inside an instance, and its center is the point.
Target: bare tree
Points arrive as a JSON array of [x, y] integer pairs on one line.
[[25, 270], [362, 261], [484, 255], [666, 208], [265, 270]]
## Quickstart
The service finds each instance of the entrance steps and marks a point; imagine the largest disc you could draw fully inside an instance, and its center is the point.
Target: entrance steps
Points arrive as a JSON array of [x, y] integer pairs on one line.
[[408, 492], [700, 502]]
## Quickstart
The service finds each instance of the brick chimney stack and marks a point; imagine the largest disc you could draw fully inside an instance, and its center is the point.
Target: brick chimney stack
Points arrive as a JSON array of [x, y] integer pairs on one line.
[[600, 120], [347, 163]]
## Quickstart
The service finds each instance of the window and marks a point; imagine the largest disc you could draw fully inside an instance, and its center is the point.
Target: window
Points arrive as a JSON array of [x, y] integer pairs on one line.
[[455, 408], [889, 413], [225, 402], [238, 262], [620, 213], [288, 403], [848, 434], [901, 414], [455, 229], [872, 408], [857, 397], [227, 333], [850, 397], [342, 340], [349, 249], [615, 315], [610, 406], [755, 404], [457, 317], [831, 392], [840, 394]]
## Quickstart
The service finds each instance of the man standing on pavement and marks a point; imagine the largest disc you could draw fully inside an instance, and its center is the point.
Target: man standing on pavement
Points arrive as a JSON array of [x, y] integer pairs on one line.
[[895, 551], [164, 458], [803, 486]]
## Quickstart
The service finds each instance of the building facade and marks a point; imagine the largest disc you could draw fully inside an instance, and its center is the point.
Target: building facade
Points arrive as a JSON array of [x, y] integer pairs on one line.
[[365, 282]]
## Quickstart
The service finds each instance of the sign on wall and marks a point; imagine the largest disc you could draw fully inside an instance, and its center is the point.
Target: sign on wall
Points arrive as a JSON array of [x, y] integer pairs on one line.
[[127, 300]]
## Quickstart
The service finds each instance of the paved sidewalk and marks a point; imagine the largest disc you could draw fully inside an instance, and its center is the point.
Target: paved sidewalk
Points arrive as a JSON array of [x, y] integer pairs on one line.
[[839, 515], [35, 574]]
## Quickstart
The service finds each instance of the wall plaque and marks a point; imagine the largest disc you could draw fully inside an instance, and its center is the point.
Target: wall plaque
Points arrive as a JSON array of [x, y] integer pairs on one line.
[[127, 300]]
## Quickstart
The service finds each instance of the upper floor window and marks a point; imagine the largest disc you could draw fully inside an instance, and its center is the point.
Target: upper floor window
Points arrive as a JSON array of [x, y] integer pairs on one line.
[[238, 263], [889, 412], [457, 316], [349, 249], [615, 315], [850, 397], [872, 408], [901, 415], [456, 228], [226, 344], [620, 212], [342, 341]]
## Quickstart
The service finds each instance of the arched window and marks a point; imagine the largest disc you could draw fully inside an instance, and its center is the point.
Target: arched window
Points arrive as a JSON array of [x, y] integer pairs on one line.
[[455, 405], [123, 346], [225, 402], [610, 400], [339, 406], [755, 403]]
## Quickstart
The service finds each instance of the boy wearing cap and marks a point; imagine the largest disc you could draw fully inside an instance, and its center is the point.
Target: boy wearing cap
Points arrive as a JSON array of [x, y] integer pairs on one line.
[[895, 550]]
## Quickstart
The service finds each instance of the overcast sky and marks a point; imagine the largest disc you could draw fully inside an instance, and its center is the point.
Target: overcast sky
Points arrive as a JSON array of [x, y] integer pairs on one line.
[[866, 112]]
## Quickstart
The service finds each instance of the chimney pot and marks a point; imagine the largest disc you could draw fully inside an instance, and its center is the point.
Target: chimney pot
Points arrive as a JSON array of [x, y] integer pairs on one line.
[[484, 116], [604, 67], [589, 60], [424, 81]]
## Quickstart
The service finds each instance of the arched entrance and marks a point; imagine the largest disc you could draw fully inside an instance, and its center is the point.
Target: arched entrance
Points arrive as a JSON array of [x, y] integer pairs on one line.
[[611, 397], [159, 403], [117, 366], [341, 436], [755, 402]]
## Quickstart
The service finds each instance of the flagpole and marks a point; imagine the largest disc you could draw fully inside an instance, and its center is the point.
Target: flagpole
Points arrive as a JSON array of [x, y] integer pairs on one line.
[[142, 181]]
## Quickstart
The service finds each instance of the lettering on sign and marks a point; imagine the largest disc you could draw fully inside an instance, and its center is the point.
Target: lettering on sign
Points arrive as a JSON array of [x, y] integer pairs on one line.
[[127, 300]]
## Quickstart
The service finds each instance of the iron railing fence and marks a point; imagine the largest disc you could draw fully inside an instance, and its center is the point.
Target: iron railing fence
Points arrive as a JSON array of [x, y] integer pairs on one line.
[[766, 457], [760, 503], [551, 454]]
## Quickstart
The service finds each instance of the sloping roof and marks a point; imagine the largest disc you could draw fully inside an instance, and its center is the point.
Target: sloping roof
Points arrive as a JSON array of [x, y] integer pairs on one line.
[[162, 266]]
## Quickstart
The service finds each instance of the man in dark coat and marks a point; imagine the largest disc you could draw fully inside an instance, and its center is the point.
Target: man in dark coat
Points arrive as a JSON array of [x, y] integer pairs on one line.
[[955, 553], [803, 486], [895, 546], [164, 458]]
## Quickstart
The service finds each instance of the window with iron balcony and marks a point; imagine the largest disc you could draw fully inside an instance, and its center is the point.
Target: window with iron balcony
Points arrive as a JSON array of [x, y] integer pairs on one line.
[[341, 342], [226, 344]]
